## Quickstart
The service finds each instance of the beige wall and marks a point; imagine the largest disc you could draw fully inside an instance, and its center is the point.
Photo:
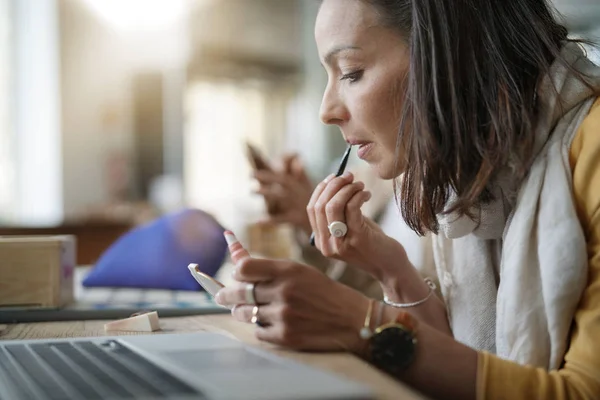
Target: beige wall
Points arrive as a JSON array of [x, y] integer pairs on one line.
[[7, 195], [98, 65], [269, 29]]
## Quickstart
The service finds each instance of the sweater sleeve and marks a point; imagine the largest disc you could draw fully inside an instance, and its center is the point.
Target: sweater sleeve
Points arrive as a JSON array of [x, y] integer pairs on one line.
[[579, 377]]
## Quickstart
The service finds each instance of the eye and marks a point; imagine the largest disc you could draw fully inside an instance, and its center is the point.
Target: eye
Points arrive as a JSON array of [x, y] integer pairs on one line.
[[353, 76]]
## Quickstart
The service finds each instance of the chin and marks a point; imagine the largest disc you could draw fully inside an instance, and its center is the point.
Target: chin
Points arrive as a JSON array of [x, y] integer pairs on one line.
[[384, 171]]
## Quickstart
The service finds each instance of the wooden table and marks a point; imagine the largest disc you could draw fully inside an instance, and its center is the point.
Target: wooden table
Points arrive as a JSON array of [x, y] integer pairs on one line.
[[340, 363]]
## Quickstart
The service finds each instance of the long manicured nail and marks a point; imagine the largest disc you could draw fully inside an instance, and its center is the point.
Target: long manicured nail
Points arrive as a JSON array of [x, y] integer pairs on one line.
[[238, 253]]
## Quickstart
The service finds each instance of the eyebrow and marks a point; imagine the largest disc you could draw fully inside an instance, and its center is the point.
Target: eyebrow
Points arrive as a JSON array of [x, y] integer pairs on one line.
[[337, 50]]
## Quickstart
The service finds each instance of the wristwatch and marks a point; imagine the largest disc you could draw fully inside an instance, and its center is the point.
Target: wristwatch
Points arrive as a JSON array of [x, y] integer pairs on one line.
[[392, 347]]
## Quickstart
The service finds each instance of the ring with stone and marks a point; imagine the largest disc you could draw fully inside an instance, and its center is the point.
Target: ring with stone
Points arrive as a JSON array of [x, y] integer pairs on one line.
[[250, 298], [338, 229]]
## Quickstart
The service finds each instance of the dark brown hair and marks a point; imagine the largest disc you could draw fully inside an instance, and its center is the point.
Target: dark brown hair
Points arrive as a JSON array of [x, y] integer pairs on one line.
[[470, 96]]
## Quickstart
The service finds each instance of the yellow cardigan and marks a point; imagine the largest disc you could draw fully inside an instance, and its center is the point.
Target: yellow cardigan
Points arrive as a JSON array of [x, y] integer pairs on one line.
[[579, 377]]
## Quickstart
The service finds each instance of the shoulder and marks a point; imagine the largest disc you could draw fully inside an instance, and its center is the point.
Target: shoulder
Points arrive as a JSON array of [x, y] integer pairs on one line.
[[584, 158], [587, 137]]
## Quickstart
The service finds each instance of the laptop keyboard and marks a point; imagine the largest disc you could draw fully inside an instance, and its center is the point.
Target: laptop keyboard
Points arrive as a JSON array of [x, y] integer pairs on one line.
[[84, 370]]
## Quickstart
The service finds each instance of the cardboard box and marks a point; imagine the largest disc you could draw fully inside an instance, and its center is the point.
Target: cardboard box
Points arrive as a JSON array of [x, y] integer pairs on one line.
[[36, 271], [270, 240]]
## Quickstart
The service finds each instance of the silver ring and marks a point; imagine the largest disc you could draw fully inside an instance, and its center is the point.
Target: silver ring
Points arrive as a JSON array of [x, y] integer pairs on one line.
[[338, 229], [254, 318], [250, 298]]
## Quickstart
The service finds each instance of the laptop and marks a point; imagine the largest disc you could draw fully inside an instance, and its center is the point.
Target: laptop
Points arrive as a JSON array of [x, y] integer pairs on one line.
[[167, 366]]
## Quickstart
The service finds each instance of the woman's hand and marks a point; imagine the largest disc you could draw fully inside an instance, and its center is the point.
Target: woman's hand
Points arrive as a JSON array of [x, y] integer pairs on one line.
[[298, 306], [290, 188], [365, 245]]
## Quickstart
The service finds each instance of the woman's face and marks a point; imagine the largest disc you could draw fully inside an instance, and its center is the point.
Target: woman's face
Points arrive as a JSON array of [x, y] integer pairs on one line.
[[366, 64]]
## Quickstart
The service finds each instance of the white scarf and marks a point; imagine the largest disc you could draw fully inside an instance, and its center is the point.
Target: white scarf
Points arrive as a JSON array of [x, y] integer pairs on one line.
[[512, 282]]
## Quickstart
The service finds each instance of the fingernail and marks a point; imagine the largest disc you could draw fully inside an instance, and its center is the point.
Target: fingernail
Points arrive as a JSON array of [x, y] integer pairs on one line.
[[230, 238], [235, 247], [330, 177], [218, 297], [347, 174]]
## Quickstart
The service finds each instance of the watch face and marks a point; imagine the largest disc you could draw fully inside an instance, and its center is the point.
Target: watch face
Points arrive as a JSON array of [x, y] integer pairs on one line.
[[393, 348]]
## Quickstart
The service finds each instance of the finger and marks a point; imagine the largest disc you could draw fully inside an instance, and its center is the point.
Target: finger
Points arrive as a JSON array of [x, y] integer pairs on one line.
[[259, 269], [268, 191], [354, 215], [244, 313], [269, 178], [288, 161], [273, 195], [310, 208], [237, 251], [322, 231], [335, 209], [278, 313], [302, 178], [298, 171], [235, 293], [275, 200]]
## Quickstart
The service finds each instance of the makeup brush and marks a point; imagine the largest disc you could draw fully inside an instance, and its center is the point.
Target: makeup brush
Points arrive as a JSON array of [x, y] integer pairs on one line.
[[339, 172]]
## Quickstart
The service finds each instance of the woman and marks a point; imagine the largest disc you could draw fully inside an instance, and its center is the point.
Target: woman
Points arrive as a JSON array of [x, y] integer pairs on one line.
[[482, 109]]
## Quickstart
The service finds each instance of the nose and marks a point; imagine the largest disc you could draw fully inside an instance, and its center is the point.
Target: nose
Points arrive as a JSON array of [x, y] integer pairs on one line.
[[333, 110]]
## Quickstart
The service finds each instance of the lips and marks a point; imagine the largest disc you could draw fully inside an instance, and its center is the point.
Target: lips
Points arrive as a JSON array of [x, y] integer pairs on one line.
[[363, 150], [357, 142], [364, 147]]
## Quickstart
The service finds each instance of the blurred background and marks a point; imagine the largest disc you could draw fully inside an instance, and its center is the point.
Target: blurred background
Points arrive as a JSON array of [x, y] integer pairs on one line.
[[113, 112]]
